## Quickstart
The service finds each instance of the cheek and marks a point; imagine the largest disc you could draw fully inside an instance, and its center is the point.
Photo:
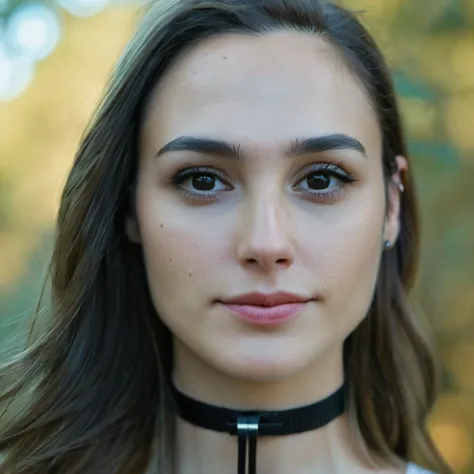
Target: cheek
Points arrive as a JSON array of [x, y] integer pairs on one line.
[[347, 257], [182, 255]]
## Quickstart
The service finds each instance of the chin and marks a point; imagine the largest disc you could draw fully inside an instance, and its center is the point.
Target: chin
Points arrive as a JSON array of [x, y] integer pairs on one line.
[[265, 361]]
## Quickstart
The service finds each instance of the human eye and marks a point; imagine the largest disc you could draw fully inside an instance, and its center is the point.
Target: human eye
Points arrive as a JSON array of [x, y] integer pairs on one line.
[[324, 182], [200, 183]]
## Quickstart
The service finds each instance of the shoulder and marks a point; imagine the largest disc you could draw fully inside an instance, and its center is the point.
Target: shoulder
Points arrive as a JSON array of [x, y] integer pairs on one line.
[[414, 469]]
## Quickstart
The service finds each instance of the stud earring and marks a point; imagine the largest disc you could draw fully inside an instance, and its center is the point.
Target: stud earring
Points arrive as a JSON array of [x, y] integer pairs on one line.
[[387, 244], [401, 187]]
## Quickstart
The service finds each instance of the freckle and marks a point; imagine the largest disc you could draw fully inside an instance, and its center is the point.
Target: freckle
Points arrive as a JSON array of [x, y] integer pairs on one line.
[[190, 274], [171, 259], [161, 225], [224, 58]]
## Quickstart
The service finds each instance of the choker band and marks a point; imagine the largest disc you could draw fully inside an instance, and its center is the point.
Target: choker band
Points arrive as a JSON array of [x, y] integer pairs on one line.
[[247, 425]]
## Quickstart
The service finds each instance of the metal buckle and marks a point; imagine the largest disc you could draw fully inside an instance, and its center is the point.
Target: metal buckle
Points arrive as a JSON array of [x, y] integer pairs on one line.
[[248, 425]]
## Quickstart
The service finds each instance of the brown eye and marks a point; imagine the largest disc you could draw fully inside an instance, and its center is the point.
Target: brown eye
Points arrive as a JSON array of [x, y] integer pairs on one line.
[[318, 181], [203, 182], [324, 181]]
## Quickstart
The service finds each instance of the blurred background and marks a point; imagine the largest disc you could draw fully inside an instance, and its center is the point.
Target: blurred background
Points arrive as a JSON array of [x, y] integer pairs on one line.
[[55, 57]]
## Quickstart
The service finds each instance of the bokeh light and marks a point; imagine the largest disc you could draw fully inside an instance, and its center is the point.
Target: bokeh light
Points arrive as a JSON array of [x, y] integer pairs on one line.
[[33, 31], [16, 74]]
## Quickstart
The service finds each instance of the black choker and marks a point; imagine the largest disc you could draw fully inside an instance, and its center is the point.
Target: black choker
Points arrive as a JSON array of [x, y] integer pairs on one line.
[[248, 425]]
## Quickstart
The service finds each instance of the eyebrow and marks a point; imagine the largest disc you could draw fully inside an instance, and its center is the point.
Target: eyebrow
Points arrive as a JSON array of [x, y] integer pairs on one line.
[[299, 146]]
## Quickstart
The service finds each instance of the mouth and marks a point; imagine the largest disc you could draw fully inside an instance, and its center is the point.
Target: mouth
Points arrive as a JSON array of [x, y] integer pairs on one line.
[[267, 309]]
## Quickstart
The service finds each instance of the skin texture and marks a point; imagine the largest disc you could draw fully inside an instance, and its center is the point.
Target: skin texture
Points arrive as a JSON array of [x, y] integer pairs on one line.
[[262, 229]]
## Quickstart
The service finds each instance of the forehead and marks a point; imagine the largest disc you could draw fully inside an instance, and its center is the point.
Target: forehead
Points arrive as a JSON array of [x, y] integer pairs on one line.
[[261, 90]]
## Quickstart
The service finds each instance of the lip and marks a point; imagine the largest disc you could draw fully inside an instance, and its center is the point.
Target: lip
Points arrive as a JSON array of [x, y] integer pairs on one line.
[[267, 309]]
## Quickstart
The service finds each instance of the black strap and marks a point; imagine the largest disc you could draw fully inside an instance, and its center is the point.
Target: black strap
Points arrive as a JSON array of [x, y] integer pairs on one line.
[[250, 424], [271, 423], [247, 432]]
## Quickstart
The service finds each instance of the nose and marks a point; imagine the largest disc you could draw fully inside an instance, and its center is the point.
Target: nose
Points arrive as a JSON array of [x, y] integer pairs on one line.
[[265, 242]]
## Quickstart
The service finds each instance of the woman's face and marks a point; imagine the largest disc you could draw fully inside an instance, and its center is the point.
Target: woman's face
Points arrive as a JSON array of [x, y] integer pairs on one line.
[[238, 193]]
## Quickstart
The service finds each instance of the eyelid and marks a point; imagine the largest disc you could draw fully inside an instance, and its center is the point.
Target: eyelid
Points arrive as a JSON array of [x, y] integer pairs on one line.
[[186, 172], [329, 168]]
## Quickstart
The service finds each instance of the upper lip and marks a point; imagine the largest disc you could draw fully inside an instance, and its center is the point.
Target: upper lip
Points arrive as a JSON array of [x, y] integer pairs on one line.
[[267, 299]]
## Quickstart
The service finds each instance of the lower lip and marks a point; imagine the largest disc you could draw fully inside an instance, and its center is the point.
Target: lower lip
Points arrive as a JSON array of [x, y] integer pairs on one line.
[[267, 315]]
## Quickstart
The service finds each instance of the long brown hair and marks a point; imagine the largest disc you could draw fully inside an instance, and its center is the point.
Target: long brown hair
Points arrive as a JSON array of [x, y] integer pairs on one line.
[[94, 383]]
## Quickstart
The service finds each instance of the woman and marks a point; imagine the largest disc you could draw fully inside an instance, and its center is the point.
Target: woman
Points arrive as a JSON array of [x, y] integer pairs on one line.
[[235, 245]]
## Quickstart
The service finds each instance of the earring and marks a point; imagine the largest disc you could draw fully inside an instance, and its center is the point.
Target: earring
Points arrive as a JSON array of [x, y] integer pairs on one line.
[[401, 187], [387, 244]]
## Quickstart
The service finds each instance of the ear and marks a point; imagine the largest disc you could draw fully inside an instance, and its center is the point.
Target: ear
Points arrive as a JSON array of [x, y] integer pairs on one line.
[[395, 191], [132, 229]]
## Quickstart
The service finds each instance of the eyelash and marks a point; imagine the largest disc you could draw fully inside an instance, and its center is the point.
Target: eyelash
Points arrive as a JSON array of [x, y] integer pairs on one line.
[[328, 169]]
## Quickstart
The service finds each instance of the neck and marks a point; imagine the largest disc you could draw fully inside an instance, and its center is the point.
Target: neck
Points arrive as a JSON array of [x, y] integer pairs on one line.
[[325, 450]]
